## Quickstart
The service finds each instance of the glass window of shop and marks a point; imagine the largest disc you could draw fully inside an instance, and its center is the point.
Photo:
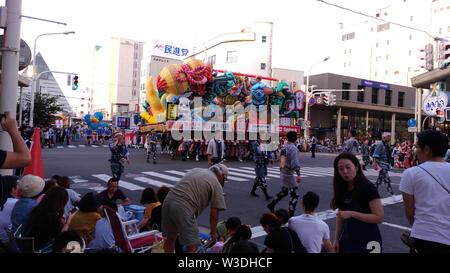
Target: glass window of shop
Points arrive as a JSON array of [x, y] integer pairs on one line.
[[374, 95], [388, 97], [361, 93], [345, 94]]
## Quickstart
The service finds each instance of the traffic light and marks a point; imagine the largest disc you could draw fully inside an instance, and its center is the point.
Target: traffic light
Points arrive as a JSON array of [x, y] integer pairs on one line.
[[75, 83], [440, 115], [326, 99], [332, 99], [447, 114], [444, 55]]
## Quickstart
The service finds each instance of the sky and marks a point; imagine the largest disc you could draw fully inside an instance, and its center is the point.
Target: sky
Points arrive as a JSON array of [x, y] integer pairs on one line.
[[304, 31]]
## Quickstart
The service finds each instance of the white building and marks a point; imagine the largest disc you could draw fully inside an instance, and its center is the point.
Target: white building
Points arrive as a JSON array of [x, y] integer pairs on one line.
[[248, 51], [115, 83], [382, 51]]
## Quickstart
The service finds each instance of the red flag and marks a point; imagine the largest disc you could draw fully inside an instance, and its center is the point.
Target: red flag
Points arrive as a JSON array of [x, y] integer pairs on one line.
[[35, 167]]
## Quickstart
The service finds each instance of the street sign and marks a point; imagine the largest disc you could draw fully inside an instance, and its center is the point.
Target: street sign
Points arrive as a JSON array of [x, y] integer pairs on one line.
[[24, 54], [412, 122], [308, 124], [319, 100], [312, 101], [412, 129]]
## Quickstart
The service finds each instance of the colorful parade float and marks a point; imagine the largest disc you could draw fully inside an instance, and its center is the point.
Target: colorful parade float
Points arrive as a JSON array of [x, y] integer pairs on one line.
[[178, 86]]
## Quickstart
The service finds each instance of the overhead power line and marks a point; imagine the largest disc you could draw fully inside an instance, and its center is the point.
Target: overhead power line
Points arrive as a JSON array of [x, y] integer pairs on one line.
[[380, 19]]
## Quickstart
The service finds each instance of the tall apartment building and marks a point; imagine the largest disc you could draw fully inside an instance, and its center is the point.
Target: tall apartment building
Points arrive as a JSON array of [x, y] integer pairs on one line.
[[115, 82], [382, 51]]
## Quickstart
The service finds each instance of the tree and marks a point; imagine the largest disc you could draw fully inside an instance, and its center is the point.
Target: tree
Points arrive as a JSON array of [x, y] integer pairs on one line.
[[45, 109]]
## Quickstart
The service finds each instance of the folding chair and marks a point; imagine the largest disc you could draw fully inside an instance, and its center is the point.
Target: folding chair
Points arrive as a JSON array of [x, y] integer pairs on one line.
[[134, 242], [27, 244]]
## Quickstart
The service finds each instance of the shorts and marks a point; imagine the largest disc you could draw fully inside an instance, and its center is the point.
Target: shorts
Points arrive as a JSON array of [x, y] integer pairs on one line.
[[288, 180], [179, 220]]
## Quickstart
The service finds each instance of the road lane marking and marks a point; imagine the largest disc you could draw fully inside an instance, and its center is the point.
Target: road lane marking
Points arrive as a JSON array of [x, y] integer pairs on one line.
[[163, 176], [152, 182], [123, 184]]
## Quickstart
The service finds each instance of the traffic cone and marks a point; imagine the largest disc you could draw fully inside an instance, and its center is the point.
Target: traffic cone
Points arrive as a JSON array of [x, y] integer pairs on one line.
[[35, 167]]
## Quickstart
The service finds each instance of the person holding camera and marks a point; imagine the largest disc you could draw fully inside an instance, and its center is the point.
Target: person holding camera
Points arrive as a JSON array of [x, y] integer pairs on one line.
[[20, 156]]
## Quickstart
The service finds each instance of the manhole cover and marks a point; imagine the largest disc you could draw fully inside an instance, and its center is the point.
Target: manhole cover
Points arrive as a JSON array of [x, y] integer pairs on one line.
[[85, 185]]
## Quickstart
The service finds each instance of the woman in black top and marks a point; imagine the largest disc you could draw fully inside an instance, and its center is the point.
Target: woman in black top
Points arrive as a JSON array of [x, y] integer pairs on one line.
[[359, 208], [47, 218], [279, 239]]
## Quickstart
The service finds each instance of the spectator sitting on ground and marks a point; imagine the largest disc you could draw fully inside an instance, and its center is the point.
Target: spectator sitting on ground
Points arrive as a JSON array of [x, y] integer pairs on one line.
[[113, 193], [155, 220], [313, 232], [68, 242], [231, 225], [47, 218], [243, 233], [86, 217], [283, 215], [149, 199], [279, 239], [20, 157], [8, 190], [74, 197], [30, 187], [244, 247], [104, 237]]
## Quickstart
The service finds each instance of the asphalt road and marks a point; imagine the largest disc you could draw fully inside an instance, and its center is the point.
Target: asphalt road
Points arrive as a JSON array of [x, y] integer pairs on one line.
[[89, 169]]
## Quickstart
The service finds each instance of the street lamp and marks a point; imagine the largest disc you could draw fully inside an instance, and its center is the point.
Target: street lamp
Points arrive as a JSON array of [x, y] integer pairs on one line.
[[33, 65], [308, 96]]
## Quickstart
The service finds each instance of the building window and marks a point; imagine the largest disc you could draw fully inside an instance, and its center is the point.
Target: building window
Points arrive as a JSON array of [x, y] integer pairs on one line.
[[360, 93], [345, 94], [383, 27], [410, 37], [386, 72], [376, 44], [264, 39], [350, 51], [409, 52], [388, 97], [345, 51], [411, 18], [348, 36], [231, 56], [374, 95], [387, 42], [448, 29], [263, 66], [212, 59], [401, 99], [387, 56]]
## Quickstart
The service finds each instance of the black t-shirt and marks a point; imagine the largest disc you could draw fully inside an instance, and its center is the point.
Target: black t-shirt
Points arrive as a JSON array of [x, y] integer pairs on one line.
[[103, 196], [2, 157], [357, 234], [284, 240]]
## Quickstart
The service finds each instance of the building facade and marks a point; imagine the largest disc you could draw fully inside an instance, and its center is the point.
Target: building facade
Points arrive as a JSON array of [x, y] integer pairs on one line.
[[382, 51], [248, 51], [115, 78], [381, 107]]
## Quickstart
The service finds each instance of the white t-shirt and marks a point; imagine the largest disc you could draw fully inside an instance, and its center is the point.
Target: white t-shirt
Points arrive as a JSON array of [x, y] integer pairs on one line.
[[431, 201], [5, 218], [311, 231]]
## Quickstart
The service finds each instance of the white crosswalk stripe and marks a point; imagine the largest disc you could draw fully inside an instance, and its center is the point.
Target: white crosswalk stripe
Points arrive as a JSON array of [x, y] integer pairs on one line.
[[152, 182], [176, 172], [71, 146], [81, 146], [234, 178], [123, 184], [163, 176], [252, 172], [94, 146]]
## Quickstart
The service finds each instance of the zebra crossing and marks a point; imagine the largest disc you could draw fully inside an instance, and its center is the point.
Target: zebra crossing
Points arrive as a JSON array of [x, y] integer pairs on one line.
[[169, 178], [80, 146]]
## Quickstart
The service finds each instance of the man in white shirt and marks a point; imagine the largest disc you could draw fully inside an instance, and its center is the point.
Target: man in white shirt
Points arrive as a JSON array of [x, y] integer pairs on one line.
[[426, 194], [312, 231]]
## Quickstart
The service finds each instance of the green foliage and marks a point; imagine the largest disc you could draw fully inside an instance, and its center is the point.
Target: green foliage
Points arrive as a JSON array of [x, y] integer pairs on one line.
[[45, 109]]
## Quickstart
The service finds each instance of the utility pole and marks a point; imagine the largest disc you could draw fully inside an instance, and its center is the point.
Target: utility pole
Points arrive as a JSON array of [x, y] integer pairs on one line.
[[10, 68]]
